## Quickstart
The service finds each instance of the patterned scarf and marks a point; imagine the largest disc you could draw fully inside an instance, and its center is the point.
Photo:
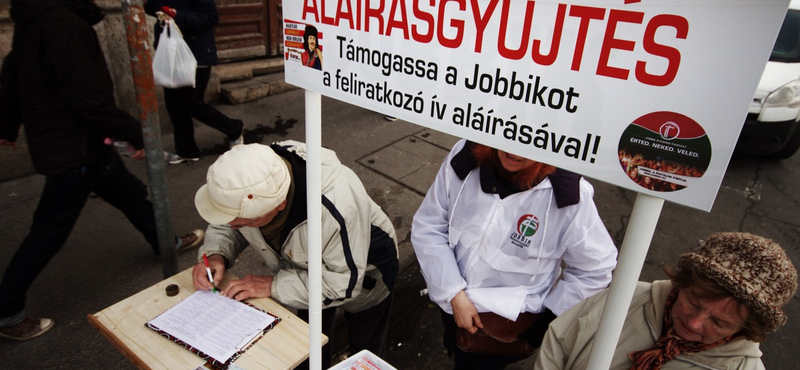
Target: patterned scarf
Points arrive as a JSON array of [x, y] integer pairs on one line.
[[312, 57], [669, 345]]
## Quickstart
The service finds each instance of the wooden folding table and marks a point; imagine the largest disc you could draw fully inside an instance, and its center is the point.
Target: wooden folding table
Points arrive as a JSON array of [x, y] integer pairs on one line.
[[123, 324]]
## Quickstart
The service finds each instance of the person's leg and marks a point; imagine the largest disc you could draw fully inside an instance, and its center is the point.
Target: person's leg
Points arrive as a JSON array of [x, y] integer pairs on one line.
[[369, 329], [205, 113], [179, 104], [127, 193], [329, 329], [61, 202], [478, 361]]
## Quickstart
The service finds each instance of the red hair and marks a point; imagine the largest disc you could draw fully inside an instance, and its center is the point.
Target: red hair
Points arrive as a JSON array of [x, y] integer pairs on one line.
[[524, 179]]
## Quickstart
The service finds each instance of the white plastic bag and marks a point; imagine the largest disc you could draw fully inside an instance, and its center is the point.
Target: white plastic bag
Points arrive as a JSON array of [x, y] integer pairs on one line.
[[174, 64]]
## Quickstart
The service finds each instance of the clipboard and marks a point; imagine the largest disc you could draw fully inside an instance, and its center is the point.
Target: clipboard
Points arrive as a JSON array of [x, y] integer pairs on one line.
[[215, 328]]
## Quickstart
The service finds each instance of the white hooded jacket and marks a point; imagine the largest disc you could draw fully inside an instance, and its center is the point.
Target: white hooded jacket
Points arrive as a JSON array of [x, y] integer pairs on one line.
[[506, 252]]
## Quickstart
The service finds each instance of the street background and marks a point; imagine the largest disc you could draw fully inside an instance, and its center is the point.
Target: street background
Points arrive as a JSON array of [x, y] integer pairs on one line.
[[106, 260]]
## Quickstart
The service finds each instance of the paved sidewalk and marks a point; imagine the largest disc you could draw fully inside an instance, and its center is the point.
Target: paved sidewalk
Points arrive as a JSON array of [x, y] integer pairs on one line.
[[105, 260]]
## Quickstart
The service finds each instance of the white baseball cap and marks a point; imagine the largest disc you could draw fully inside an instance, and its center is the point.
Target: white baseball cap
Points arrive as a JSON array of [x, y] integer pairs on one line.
[[247, 181]]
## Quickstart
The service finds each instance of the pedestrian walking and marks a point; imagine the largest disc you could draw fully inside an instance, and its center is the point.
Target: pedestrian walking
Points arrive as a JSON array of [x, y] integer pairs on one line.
[[196, 20], [55, 83]]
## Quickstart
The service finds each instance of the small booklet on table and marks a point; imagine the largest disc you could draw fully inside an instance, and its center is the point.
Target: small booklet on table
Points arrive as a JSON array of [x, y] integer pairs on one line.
[[214, 327]]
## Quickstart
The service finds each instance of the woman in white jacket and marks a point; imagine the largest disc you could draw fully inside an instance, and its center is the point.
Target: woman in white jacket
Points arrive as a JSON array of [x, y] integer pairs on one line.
[[492, 234]]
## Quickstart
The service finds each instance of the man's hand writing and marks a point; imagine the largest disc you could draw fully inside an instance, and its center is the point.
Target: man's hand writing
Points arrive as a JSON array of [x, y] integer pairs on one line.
[[200, 277], [251, 286]]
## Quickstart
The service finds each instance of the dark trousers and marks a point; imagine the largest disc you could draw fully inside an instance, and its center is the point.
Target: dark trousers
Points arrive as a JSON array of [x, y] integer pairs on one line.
[[188, 102], [61, 202], [367, 329]]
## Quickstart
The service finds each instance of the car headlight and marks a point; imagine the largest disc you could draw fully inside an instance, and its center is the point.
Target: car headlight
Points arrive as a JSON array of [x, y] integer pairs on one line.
[[786, 96]]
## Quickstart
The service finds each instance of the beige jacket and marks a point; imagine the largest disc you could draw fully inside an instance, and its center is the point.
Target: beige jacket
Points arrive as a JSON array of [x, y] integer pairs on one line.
[[359, 242], [568, 342]]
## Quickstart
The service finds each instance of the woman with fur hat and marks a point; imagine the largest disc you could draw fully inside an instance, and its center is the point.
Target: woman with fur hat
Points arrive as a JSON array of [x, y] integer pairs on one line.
[[720, 301]]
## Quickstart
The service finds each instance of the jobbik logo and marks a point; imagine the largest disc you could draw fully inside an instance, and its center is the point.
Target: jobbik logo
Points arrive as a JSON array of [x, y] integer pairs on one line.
[[527, 225]]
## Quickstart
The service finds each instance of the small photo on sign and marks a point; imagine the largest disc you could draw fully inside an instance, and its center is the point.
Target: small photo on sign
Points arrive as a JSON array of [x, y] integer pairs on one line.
[[664, 151], [302, 44]]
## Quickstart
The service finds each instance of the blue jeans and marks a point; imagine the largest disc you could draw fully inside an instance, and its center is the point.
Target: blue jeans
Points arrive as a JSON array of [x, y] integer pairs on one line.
[[61, 202]]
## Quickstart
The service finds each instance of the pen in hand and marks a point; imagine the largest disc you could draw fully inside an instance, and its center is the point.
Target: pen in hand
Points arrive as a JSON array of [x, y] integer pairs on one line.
[[210, 277]]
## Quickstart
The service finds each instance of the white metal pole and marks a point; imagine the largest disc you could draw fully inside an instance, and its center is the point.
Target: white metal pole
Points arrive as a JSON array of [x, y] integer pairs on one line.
[[638, 235], [313, 102]]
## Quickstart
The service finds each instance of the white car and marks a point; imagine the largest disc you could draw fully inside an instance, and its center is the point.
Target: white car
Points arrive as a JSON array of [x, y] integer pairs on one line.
[[771, 127]]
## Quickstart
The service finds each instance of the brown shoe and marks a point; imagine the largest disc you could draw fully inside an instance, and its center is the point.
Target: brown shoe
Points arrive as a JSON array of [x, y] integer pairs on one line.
[[189, 241], [27, 329]]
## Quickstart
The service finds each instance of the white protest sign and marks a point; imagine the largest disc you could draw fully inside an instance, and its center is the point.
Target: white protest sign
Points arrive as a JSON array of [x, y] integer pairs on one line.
[[649, 95]]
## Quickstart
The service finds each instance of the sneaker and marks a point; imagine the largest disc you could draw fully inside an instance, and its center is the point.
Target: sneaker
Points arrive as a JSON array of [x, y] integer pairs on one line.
[[391, 118], [189, 241], [174, 158], [27, 329], [238, 141]]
